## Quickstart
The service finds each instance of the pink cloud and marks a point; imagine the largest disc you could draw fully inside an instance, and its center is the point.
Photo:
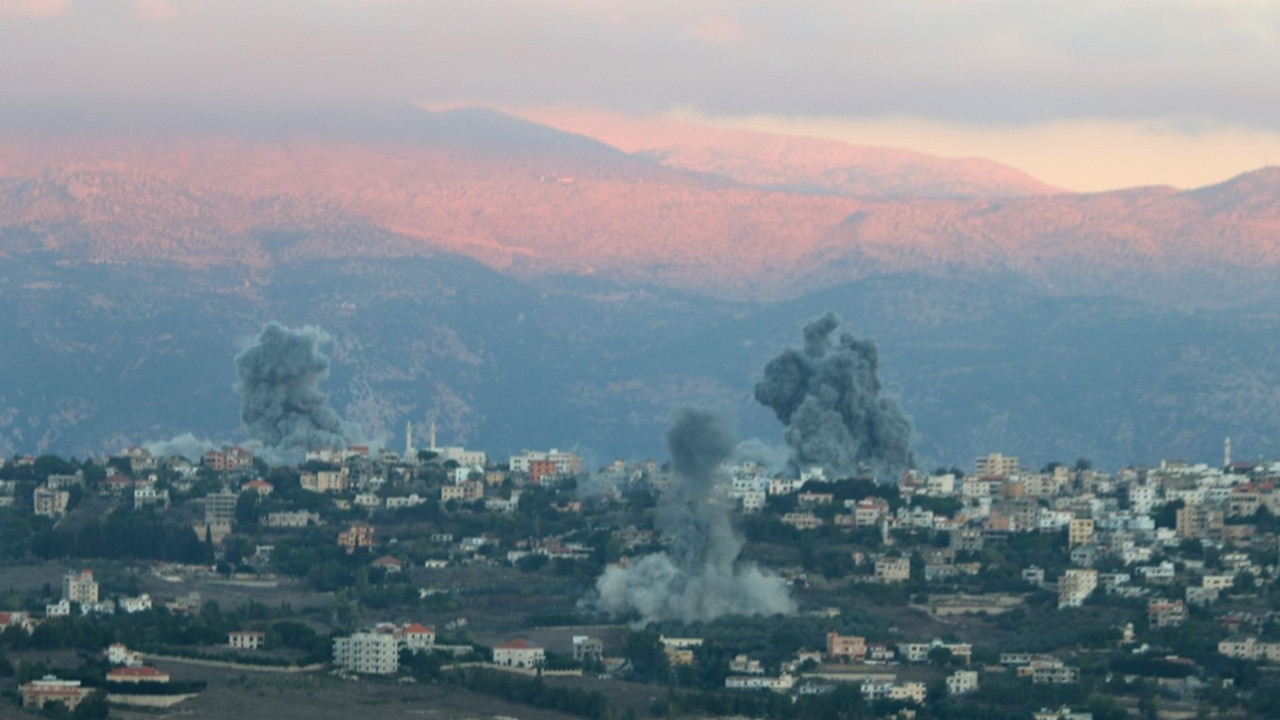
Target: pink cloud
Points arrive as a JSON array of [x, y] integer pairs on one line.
[[718, 30], [34, 8], [154, 9]]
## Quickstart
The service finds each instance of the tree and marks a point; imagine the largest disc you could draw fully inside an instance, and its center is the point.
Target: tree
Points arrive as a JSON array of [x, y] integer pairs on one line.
[[647, 655], [93, 707]]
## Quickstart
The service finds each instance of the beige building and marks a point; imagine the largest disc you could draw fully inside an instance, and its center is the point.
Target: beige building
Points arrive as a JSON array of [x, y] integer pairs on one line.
[[1198, 521], [846, 647], [995, 465], [50, 503], [49, 689], [518, 653], [79, 587], [1075, 586], [891, 569], [1079, 532]]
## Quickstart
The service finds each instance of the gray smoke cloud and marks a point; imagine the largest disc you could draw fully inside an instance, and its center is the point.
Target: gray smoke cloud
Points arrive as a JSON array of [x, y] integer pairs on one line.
[[699, 577], [186, 445], [281, 405], [829, 397]]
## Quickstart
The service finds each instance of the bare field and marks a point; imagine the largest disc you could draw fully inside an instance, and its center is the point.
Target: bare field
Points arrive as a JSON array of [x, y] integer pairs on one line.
[[255, 696]]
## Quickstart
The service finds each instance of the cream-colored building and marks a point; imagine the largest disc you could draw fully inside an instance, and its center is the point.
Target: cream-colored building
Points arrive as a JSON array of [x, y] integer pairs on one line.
[[1075, 586]]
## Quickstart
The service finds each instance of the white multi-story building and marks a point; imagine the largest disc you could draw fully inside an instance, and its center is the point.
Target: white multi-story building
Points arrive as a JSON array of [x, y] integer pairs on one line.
[[368, 653], [963, 681], [566, 463], [246, 639]]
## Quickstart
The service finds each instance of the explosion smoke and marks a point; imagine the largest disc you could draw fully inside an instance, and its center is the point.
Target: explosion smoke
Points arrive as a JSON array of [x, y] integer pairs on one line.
[[186, 445], [699, 577], [281, 404], [829, 398]]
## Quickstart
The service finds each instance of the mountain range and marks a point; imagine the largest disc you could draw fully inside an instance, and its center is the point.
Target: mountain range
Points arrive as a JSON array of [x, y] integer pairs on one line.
[[572, 280]]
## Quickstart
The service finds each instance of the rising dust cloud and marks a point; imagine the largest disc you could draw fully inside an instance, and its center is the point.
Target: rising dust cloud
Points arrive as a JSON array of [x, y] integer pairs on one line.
[[699, 577]]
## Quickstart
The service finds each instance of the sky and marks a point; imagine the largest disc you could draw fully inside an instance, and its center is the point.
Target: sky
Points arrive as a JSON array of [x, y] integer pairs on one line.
[[1084, 94]]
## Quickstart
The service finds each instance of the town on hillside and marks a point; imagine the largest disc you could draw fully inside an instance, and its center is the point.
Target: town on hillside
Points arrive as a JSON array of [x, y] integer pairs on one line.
[[134, 583]]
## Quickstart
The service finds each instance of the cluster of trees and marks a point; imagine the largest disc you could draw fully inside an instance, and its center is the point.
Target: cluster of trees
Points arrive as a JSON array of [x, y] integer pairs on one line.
[[125, 535]]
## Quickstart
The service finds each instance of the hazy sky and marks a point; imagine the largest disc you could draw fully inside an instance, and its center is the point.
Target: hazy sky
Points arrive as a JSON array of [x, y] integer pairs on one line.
[[1082, 93]]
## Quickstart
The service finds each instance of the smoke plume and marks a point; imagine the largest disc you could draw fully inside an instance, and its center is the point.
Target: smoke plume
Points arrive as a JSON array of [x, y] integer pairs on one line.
[[185, 445], [699, 576], [281, 404], [829, 397]]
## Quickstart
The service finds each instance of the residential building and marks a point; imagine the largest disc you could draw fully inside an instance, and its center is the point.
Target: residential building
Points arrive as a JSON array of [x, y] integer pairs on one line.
[[16, 619], [519, 653], [137, 675], [782, 683], [468, 491], [119, 654], [368, 653], [852, 648], [1075, 586], [220, 508], [1079, 532], [292, 519], [913, 692], [588, 649], [131, 605], [49, 689], [996, 465], [1198, 521], [260, 486], [228, 459], [679, 651], [1250, 649], [145, 494], [79, 587], [246, 639], [962, 682], [416, 637], [359, 535], [802, 520], [50, 503], [893, 569], [562, 463], [325, 481], [1166, 613]]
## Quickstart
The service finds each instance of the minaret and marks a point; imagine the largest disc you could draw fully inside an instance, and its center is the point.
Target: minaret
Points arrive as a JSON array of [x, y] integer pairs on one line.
[[433, 436], [1226, 452], [408, 440]]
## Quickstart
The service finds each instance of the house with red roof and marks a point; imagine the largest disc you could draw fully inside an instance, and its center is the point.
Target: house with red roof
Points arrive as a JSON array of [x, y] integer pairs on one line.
[[388, 563], [16, 619], [258, 485], [519, 653], [415, 637], [115, 484], [140, 674]]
